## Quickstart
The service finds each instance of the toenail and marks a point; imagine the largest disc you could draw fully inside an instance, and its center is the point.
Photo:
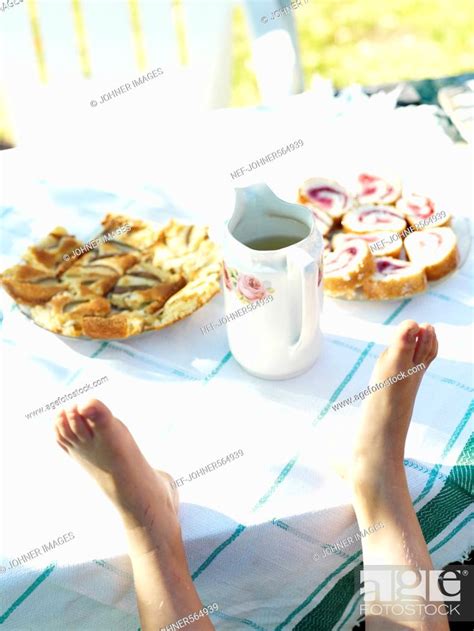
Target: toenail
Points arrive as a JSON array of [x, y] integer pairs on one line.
[[92, 413]]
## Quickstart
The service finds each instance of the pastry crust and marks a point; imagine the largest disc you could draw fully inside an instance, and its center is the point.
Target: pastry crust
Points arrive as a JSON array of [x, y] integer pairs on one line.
[[54, 252], [410, 280], [435, 250], [28, 285], [143, 279]]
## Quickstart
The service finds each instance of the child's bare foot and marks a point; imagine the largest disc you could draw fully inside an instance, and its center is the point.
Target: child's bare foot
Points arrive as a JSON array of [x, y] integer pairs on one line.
[[386, 413], [106, 449]]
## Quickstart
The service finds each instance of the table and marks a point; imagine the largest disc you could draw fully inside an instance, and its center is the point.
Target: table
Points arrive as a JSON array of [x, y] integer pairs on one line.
[[251, 528]]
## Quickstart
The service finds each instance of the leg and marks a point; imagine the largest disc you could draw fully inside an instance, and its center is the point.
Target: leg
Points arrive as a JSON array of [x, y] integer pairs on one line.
[[148, 506], [379, 485]]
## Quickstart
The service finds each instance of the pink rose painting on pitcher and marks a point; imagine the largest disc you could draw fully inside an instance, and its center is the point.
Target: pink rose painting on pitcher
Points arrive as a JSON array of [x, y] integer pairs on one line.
[[248, 288], [251, 288]]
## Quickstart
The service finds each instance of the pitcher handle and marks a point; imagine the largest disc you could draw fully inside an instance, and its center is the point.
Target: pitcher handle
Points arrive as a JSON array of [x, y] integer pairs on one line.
[[298, 261]]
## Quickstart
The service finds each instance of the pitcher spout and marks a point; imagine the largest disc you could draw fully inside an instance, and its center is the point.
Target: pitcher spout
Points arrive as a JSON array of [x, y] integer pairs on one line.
[[251, 202]]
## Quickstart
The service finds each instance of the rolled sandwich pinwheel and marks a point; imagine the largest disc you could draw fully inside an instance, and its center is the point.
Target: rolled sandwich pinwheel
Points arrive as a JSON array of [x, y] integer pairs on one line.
[[326, 195], [377, 189], [346, 268], [324, 222], [380, 243], [420, 212], [435, 250], [394, 278], [373, 218]]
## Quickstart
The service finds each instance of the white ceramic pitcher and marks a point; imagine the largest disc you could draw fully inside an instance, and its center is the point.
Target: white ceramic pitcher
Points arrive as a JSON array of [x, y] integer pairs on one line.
[[273, 298]]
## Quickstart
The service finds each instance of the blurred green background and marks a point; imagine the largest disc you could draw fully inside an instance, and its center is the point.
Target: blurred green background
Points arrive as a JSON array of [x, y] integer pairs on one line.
[[354, 41], [369, 42]]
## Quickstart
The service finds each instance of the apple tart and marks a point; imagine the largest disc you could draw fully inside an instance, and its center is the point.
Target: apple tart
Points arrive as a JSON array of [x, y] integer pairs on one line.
[[124, 284]]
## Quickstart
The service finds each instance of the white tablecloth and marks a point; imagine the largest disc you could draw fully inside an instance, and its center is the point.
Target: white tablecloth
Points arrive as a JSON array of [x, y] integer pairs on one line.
[[252, 527]]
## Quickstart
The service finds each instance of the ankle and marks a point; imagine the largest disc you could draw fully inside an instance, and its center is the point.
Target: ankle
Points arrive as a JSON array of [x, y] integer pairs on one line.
[[160, 516], [167, 543]]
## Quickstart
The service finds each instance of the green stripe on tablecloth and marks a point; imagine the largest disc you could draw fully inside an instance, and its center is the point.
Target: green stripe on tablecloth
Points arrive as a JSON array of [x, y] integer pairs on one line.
[[43, 576], [431, 550], [220, 365], [455, 435], [451, 534], [246, 621], [237, 532], [454, 497], [289, 466]]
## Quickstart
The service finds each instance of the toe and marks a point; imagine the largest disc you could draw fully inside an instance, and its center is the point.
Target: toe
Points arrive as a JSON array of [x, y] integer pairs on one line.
[[404, 342], [424, 343], [65, 431], [60, 439], [96, 413], [78, 425], [432, 350], [61, 443]]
